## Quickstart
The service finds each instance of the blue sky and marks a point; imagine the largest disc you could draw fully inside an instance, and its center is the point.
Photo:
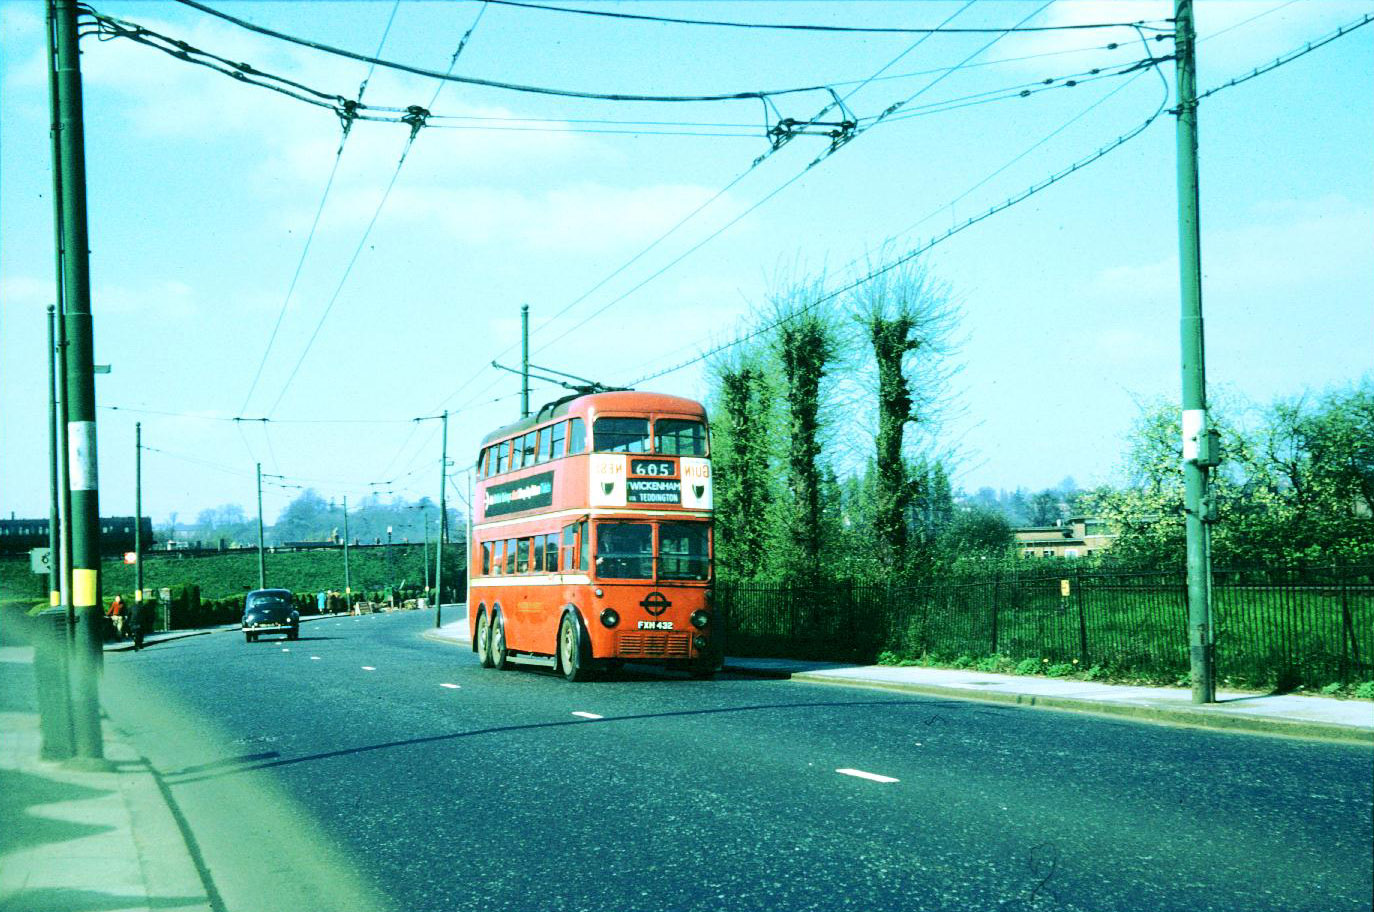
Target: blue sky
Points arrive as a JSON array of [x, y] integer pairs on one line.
[[202, 191]]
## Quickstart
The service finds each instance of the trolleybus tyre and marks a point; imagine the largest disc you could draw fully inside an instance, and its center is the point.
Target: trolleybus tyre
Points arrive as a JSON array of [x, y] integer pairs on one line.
[[482, 639], [496, 642], [574, 656]]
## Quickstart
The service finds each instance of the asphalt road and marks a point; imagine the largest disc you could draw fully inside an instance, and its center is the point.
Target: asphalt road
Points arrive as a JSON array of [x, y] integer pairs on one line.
[[366, 767]]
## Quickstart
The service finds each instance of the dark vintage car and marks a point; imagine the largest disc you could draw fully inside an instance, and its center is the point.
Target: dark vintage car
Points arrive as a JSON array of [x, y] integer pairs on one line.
[[270, 611]]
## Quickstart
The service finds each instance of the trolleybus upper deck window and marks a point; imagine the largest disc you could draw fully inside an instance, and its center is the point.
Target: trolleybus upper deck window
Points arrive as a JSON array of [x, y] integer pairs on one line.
[[624, 550], [679, 437], [554, 439], [620, 435]]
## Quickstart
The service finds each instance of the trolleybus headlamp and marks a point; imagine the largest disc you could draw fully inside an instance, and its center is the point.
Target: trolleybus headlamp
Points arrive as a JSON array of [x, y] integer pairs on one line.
[[700, 618], [610, 617], [598, 592], [699, 642]]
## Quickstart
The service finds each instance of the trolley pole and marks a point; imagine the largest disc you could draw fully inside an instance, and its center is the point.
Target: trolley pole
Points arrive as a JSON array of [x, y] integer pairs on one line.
[[443, 527], [1199, 444], [524, 360], [348, 581], [424, 521], [54, 563], [262, 555], [138, 514], [81, 437]]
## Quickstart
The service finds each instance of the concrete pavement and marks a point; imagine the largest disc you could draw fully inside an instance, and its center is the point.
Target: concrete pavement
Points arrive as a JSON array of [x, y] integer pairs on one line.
[[1326, 718], [76, 840]]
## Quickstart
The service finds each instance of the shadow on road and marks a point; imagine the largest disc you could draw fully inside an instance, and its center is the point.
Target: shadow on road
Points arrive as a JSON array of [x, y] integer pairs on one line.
[[963, 705]]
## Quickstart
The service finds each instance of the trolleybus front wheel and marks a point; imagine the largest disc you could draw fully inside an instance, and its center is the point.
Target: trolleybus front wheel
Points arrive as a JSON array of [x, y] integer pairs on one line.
[[482, 639], [573, 659]]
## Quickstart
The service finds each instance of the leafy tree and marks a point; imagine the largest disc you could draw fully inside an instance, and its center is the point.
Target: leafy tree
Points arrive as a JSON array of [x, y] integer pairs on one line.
[[742, 467], [1044, 507], [806, 345], [906, 318], [1297, 487], [980, 532]]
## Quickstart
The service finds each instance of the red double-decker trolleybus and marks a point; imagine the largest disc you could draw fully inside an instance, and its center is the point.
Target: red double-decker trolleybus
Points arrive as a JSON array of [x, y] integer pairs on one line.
[[591, 538]]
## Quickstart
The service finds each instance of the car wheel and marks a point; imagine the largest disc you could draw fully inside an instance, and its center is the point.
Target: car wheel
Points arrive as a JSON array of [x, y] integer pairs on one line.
[[482, 640], [573, 660], [250, 637], [496, 640], [294, 633]]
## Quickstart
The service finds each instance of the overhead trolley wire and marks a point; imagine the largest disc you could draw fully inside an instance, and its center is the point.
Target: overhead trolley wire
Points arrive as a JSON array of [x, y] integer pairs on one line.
[[417, 121], [315, 224], [1031, 191], [923, 248], [717, 196], [835, 146], [855, 29], [498, 84], [672, 230], [1292, 55]]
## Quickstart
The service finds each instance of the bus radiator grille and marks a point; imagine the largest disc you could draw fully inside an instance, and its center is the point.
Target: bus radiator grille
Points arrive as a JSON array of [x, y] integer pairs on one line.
[[655, 645]]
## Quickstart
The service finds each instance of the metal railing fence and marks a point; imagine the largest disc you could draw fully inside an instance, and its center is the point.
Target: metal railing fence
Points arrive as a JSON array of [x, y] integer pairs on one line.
[[1275, 626]]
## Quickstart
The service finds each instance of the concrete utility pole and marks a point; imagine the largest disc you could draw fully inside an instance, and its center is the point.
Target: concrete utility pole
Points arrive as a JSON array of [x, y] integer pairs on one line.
[[1200, 444], [80, 388], [262, 555], [524, 360], [138, 513], [54, 545], [348, 581], [443, 527]]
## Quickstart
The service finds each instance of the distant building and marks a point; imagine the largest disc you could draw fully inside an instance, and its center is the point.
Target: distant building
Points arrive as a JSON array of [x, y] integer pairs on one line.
[[1080, 536]]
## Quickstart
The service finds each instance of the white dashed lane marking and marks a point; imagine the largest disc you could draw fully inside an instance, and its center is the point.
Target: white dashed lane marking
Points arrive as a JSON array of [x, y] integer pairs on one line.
[[368, 668], [860, 774], [451, 686], [586, 715], [314, 658]]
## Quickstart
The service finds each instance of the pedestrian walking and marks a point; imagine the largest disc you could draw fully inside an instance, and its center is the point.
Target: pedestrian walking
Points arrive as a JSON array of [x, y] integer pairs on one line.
[[140, 619], [118, 615]]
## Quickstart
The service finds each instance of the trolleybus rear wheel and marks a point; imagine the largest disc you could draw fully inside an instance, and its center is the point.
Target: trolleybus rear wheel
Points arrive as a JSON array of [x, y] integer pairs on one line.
[[482, 639], [496, 642]]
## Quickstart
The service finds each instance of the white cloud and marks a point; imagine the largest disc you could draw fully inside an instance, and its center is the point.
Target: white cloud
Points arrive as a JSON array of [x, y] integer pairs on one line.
[[582, 218], [1260, 257]]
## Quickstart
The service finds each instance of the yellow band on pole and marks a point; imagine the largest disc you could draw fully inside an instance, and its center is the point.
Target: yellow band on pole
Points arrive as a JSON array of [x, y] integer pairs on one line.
[[138, 595], [54, 598], [83, 588]]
